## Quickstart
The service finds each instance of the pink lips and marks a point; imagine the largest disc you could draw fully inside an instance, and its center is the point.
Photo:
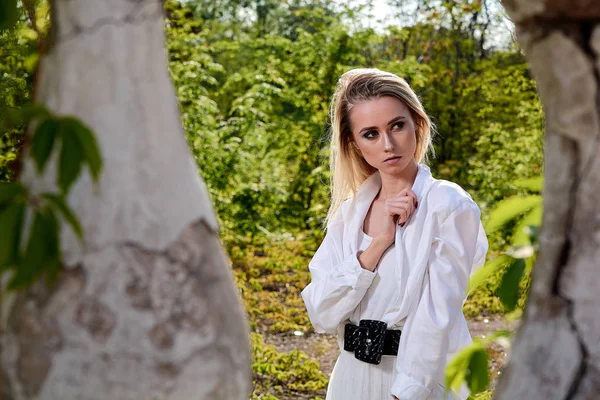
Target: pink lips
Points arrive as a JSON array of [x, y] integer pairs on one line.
[[392, 160]]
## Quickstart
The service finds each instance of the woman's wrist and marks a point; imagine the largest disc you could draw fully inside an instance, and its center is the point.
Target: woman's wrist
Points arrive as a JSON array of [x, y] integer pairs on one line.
[[370, 257]]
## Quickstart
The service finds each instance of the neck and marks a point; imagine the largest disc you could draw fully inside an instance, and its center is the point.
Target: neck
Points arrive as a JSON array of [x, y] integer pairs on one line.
[[391, 184]]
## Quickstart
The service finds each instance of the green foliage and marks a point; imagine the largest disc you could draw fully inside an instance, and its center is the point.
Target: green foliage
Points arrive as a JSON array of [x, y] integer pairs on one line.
[[60, 206], [484, 273], [42, 254], [535, 184], [11, 222], [287, 373], [9, 14], [42, 145], [510, 208], [18, 57], [10, 191], [509, 120], [457, 369], [470, 365], [271, 277], [90, 153], [485, 395], [477, 376], [267, 112], [254, 95], [78, 147], [509, 287]]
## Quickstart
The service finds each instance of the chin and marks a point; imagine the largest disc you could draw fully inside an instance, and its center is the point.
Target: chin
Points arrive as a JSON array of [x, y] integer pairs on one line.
[[395, 168]]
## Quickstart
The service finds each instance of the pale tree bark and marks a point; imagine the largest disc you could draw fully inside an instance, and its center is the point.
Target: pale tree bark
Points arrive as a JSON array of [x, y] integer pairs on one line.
[[556, 351], [147, 309]]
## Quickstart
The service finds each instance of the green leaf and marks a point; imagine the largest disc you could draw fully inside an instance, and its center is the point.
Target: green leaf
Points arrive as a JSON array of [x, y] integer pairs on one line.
[[10, 191], [509, 209], [483, 273], [508, 291], [30, 62], [522, 233], [9, 14], [456, 369], [60, 205], [52, 271], [477, 376], [43, 142], [11, 226], [87, 140], [26, 114], [70, 160], [535, 184], [42, 250]]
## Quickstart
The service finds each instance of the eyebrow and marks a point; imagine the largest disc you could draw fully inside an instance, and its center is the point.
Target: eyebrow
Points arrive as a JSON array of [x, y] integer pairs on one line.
[[393, 120]]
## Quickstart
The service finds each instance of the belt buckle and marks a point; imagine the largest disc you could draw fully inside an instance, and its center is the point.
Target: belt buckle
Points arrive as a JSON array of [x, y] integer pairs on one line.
[[370, 336]]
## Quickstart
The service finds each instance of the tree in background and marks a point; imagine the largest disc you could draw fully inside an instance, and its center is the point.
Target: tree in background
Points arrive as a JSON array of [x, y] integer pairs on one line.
[[554, 352], [254, 97], [145, 307]]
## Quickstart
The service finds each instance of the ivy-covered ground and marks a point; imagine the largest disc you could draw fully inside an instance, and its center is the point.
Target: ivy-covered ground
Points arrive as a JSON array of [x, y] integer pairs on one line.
[[291, 361]]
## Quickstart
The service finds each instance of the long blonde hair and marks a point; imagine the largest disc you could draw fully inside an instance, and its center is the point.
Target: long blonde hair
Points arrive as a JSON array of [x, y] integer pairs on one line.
[[348, 168]]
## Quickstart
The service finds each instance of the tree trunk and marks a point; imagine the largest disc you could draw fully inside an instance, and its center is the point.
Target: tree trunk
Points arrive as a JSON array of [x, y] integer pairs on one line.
[[147, 309], [556, 351]]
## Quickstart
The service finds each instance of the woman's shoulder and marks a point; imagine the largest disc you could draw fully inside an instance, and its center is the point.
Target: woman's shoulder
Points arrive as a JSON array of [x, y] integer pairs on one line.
[[446, 197]]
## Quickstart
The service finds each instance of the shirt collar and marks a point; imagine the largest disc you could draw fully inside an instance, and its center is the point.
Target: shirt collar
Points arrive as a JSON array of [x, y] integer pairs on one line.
[[366, 193]]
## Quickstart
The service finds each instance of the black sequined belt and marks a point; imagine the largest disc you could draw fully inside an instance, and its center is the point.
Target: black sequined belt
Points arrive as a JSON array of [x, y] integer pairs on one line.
[[370, 340]]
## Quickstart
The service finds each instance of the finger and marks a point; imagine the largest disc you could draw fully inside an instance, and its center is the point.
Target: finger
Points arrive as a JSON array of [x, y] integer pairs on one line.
[[410, 207], [402, 211], [400, 194], [406, 194], [408, 211], [400, 200], [412, 194], [401, 220], [390, 213], [404, 218]]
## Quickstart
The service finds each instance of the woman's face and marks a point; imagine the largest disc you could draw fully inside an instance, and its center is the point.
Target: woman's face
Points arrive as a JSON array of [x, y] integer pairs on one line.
[[384, 131]]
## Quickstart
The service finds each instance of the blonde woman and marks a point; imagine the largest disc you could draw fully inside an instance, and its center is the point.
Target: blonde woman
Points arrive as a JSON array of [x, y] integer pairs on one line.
[[390, 276]]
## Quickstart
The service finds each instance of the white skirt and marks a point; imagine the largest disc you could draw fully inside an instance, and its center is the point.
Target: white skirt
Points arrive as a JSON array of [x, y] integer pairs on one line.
[[353, 379]]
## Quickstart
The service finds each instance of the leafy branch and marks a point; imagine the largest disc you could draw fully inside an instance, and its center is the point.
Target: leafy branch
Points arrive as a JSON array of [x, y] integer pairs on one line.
[[29, 259]]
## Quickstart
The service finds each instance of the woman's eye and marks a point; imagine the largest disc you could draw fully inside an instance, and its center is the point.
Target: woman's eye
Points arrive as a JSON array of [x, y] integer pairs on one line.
[[370, 135], [398, 125]]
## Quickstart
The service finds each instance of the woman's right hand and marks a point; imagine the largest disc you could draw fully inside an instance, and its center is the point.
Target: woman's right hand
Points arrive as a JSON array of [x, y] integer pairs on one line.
[[398, 210]]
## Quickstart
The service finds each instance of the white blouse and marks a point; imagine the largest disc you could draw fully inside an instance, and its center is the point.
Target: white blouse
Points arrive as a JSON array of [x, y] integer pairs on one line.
[[374, 304], [433, 256]]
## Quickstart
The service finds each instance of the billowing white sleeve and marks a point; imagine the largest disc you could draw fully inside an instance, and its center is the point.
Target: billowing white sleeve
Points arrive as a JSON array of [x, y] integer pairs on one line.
[[337, 285], [458, 248]]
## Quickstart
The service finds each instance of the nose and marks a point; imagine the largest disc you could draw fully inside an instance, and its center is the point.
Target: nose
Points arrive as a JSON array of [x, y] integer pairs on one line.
[[388, 142]]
